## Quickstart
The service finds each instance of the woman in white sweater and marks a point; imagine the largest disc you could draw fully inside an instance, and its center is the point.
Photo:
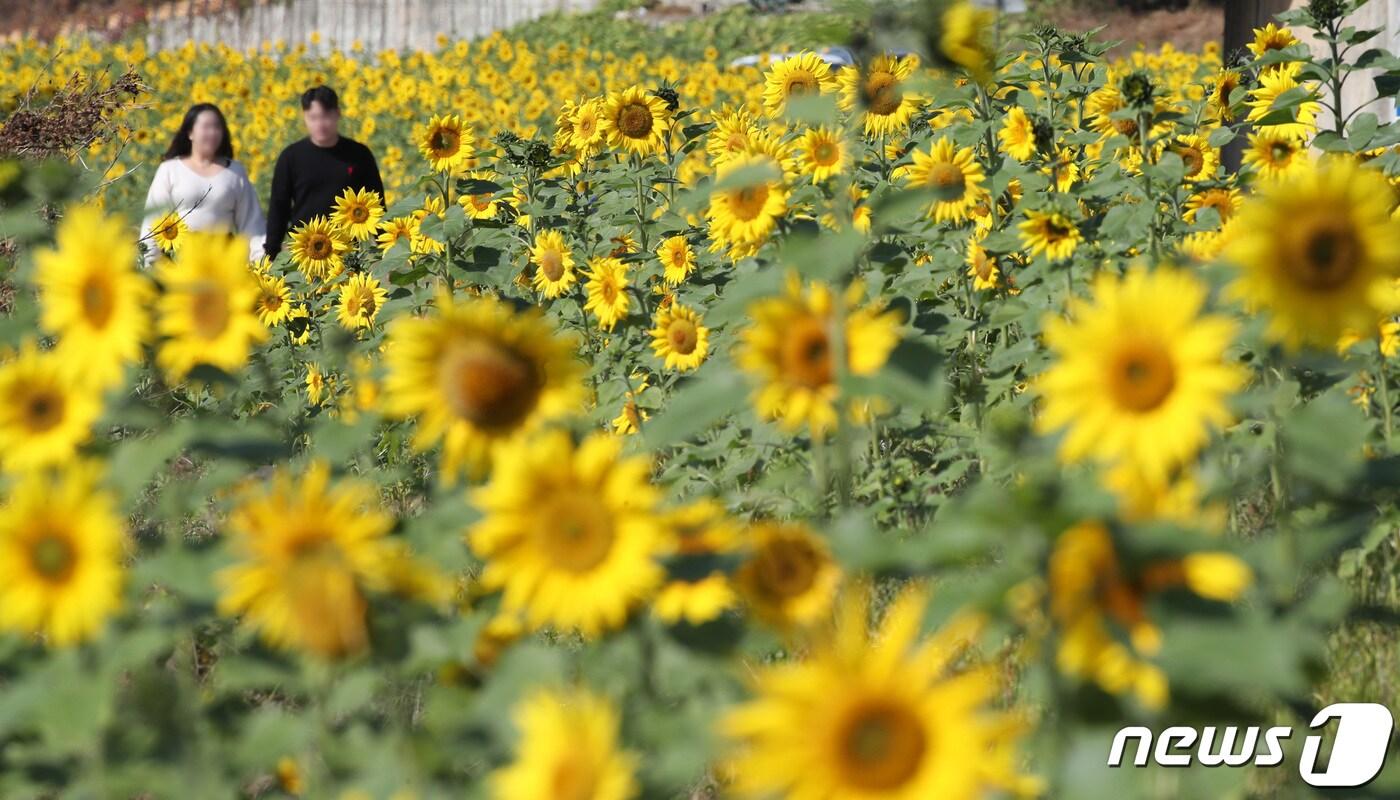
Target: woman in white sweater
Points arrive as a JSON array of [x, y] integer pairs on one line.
[[200, 180]]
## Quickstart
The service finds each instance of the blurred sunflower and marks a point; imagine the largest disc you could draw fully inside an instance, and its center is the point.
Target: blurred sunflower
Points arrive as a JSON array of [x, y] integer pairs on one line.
[[477, 374], [361, 297], [801, 75], [952, 175], [206, 311], [357, 214], [877, 92], [1051, 233], [636, 121], [882, 714], [823, 153], [318, 249], [966, 38], [1140, 376], [569, 534], [677, 260], [93, 297], [308, 549], [446, 144], [1275, 154], [790, 351], [748, 199], [1224, 200], [554, 264], [732, 134], [1017, 134], [789, 578], [568, 748], [45, 414], [679, 339], [607, 291], [1318, 252], [982, 267], [697, 590], [61, 548]]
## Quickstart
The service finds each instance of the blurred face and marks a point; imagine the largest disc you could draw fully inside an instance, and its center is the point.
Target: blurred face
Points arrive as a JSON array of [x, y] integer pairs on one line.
[[206, 135], [322, 124]]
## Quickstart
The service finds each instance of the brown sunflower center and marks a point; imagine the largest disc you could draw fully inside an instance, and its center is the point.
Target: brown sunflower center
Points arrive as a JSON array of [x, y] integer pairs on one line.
[[786, 568], [319, 246], [881, 746], [800, 83], [443, 142], [209, 311], [882, 95], [635, 121], [1280, 152], [359, 215], [552, 264], [1126, 127], [1192, 158], [97, 301], [489, 384], [826, 153], [682, 336], [947, 180], [749, 201], [577, 531], [1328, 256], [806, 355], [53, 557], [1142, 377]]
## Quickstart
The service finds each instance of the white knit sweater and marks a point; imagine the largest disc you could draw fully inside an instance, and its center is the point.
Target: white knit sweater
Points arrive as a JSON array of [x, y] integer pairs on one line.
[[225, 202]]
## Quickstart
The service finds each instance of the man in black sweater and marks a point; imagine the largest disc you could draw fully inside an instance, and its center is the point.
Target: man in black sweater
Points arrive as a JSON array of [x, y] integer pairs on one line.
[[312, 172]]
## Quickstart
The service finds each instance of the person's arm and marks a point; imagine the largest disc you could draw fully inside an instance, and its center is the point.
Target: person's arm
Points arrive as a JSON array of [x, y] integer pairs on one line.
[[279, 205], [160, 198], [248, 217]]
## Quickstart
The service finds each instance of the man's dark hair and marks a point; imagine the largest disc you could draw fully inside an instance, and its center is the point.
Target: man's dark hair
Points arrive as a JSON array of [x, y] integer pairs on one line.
[[324, 95]]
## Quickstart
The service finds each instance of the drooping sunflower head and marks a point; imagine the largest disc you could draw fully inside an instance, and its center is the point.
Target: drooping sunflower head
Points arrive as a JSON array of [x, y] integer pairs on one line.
[[570, 534], [1318, 252], [318, 249], [446, 144], [804, 74], [476, 374], [61, 549], [357, 213]]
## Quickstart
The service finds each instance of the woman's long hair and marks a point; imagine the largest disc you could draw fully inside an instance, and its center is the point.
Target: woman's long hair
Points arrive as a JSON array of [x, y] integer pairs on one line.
[[181, 145]]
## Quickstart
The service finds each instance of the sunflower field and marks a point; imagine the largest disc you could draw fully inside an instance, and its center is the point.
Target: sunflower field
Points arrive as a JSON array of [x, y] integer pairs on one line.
[[670, 430]]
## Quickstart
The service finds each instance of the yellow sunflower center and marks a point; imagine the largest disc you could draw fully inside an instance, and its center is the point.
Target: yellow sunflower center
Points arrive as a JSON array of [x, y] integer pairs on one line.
[[97, 301], [1328, 257], [209, 311], [1142, 377], [880, 746], [882, 95], [489, 384], [635, 122], [947, 180], [552, 264], [806, 355], [682, 336], [52, 557], [577, 531]]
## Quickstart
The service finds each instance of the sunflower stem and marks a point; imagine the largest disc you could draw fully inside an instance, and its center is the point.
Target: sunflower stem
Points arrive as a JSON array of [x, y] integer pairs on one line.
[[1383, 378]]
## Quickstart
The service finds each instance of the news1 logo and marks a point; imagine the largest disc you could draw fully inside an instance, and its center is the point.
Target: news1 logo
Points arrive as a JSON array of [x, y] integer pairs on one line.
[[1358, 749]]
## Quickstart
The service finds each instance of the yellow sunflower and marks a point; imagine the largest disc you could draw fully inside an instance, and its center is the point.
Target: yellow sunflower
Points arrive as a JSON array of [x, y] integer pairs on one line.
[[446, 144], [361, 297], [1200, 159], [554, 264], [569, 534], [1272, 85], [679, 339], [824, 153], [954, 178], [884, 714], [357, 214], [274, 299], [1140, 375], [398, 229], [636, 121], [966, 39], [45, 412], [982, 267], [748, 200], [206, 312], [476, 374], [790, 351], [315, 385], [607, 291], [92, 297], [1224, 200], [1051, 233], [732, 135], [1017, 134], [677, 260], [1275, 154], [1271, 37], [586, 135], [568, 748], [299, 325], [61, 550], [308, 550], [318, 248], [169, 232], [697, 590], [877, 92], [789, 579], [1318, 252], [800, 75]]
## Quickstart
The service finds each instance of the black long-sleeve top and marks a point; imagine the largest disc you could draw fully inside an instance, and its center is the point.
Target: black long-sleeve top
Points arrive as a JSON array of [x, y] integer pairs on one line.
[[308, 178]]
